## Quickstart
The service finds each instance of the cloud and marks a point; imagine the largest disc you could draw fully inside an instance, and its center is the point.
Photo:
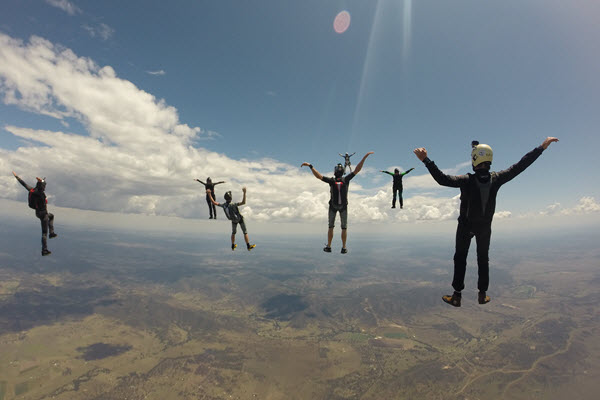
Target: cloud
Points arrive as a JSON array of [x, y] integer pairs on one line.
[[65, 5], [159, 72], [136, 156], [586, 205], [101, 31]]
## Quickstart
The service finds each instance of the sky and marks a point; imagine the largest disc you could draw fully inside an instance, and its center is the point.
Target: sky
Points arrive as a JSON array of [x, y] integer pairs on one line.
[[121, 105]]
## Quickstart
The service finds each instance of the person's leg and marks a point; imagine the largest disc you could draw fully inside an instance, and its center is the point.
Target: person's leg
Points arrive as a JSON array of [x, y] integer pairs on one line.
[[463, 241], [400, 198], [233, 232], [214, 209], [51, 224], [344, 224], [332, 213], [393, 197], [44, 222], [482, 238], [210, 210]]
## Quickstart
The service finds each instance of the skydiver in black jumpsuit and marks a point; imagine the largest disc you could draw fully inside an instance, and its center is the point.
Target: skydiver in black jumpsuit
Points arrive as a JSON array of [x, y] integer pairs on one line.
[[210, 186], [477, 206], [397, 185], [40, 203]]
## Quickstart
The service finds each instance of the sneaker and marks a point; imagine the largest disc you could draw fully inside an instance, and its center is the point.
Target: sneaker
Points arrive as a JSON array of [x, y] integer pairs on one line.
[[46, 252], [482, 298], [453, 300], [327, 249], [53, 235], [251, 246], [344, 250], [233, 246]]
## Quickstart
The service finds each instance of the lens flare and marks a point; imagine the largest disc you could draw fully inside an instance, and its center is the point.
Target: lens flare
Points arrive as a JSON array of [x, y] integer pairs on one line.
[[341, 22]]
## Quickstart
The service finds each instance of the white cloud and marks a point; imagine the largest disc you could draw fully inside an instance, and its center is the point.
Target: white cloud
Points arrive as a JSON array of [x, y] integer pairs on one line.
[[101, 31], [159, 72], [65, 5], [586, 205]]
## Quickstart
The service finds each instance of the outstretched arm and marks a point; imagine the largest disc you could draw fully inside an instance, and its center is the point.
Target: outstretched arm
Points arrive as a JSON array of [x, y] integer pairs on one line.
[[22, 182], [316, 173], [244, 197], [439, 176], [387, 172], [528, 159], [352, 154], [209, 193], [360, 164], [218, 182], [407, 171], [201, 182]]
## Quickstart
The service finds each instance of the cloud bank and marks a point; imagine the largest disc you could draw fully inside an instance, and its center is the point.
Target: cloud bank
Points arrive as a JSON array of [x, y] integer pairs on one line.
[[136, 156]]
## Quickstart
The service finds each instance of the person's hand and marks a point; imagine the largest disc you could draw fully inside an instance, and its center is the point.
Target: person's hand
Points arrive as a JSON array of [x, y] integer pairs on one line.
[[244, 189], [305, 164], [549, 140], [369, 153], [421, 153], [14, 174], [208, 191]]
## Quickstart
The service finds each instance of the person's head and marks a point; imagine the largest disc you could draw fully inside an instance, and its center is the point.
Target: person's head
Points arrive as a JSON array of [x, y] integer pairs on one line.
[[481, 156], [41, 184], [208, 180], [228, 197], [396, 171], [346, 154], [338, 171]]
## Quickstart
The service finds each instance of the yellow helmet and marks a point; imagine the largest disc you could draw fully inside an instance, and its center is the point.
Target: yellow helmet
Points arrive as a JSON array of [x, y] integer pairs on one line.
[[481, 153]]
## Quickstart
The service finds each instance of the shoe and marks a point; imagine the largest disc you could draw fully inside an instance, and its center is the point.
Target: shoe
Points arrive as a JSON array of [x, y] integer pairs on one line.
[[251, 246], [393, 206], [210, 217], [482, 298], [327, 249], [233, 246], [53, 235], [46, 252], [344, 250], [453, 300]]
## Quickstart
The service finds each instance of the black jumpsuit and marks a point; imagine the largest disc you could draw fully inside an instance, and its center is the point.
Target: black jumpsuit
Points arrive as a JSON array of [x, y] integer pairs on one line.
[[397, 186], [211, 207], [41, 210], [477, 206]]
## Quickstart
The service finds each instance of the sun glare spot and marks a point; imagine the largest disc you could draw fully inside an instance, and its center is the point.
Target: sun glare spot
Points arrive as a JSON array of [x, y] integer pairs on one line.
[[341, 22]]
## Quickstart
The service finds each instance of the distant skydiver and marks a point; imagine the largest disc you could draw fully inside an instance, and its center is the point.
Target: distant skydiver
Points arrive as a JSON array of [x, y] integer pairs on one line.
[[347, 161], [38, 201], [477, 206], [397, 185], [210, 186], [339, 198], [233, 214]]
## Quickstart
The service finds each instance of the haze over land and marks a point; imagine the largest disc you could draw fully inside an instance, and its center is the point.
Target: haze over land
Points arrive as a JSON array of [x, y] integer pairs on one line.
[[114, 315]]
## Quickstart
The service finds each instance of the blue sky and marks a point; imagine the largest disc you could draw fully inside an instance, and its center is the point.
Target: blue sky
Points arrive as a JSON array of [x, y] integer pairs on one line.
[[260, 87]]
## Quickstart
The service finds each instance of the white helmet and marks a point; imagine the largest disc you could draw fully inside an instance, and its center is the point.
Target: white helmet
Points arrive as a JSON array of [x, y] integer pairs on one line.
[[481, 153]]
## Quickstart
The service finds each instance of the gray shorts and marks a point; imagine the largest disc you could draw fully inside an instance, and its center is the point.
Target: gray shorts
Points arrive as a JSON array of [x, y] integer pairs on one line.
[[235, 224], [343, 216]]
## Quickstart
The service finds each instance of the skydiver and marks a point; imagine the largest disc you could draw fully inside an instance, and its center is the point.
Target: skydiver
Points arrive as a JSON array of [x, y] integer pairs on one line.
[[347, 161], [210, 186], [477, 206], [397, 185], [233, 214], [38, 201], [339, 198]]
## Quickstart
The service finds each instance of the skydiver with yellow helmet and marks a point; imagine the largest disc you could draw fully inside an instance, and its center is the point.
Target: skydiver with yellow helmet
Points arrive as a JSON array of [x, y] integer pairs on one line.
[[477, 206]]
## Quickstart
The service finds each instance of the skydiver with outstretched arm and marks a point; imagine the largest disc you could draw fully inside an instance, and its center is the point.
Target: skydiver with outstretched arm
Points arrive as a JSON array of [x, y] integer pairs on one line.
[[38, 201], [209, 185], [478, 193], [233, 214], [338, 186], [347, 161], [397, 185]]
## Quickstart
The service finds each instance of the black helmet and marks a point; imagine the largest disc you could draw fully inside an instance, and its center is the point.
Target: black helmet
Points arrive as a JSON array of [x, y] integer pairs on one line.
[[208, 180], [228, 196], [396, 171], [338, 171]]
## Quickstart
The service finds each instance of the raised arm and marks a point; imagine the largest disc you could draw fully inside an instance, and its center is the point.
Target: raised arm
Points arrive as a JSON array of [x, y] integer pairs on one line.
[[387, 172], [200, 181], [316, 173], [407, 171], [22, 182], [218, 182], [528, 159], [360, 164], [244, 197], [209, 193], [352, 154], [439, 176]]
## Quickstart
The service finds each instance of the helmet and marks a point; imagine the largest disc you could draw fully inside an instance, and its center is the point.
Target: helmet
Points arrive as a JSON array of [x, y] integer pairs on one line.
[[396, 171], [228, 196], [208, 180], [481, 153], [41, 184], [338, 171]]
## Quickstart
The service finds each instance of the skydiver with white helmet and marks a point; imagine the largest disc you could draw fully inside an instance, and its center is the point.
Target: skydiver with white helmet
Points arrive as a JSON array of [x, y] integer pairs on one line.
[[347, 161], [477, 206], [339, 198]]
